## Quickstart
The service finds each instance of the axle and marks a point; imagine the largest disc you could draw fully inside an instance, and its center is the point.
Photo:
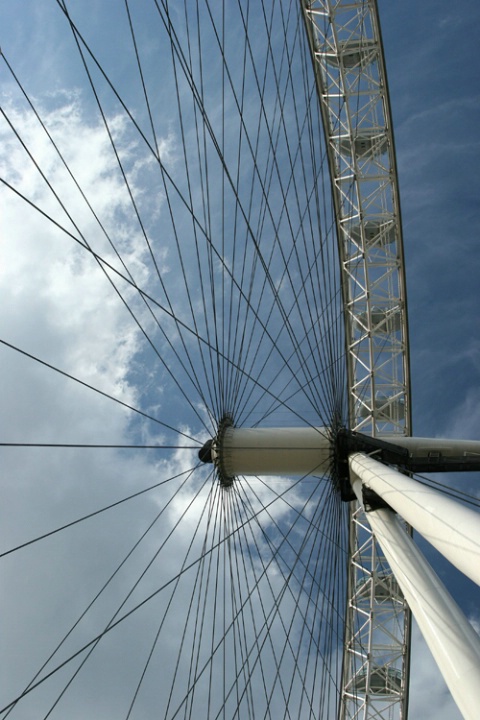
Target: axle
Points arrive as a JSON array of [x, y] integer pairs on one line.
[[318, 451]]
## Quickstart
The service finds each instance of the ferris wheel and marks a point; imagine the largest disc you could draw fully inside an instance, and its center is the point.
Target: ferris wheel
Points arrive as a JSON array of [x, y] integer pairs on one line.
[[212, 428]]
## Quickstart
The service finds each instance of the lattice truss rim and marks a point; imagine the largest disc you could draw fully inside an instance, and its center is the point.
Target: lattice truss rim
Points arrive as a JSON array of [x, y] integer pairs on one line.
[[348, 61], [349, 67]]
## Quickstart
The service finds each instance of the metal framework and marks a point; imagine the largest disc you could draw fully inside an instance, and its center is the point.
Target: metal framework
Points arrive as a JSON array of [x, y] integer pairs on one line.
[[455, 531], [347, 54], [349, 68], [384, 578]]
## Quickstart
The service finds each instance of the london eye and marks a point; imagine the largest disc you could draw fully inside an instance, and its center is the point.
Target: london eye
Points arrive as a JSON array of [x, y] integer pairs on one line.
[[208, 361]]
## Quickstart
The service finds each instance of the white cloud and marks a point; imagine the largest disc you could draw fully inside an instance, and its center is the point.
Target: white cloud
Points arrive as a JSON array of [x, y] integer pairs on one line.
[[59, 306], [53, 289]]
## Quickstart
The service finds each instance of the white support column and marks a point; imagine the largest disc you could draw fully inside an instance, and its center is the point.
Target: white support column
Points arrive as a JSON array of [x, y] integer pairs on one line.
[[451, 639], [446, 447], [452, 528]]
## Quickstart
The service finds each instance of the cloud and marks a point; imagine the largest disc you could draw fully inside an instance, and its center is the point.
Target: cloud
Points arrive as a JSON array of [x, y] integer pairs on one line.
[[58, 305], [53, 289]]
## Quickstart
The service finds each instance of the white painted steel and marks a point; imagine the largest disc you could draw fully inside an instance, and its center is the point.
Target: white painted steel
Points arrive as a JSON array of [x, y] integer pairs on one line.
[[450, 637], [450, 527], [425, 447], [376, 658], [346, 46], [274, 451]]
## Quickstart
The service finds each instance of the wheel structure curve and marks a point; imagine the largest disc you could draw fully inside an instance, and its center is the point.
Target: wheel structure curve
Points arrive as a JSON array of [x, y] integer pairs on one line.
[[346, 44], [204, 198]]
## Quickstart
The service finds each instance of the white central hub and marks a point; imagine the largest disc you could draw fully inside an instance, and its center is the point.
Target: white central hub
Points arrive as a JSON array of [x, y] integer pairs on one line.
[[272, 451]]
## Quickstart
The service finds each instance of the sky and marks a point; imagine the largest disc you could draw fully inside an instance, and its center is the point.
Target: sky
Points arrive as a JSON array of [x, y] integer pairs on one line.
[[59, 305]]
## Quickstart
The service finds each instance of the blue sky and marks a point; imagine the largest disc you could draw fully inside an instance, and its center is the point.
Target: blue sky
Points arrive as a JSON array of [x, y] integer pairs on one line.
[[60, 307], [433, 79]]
